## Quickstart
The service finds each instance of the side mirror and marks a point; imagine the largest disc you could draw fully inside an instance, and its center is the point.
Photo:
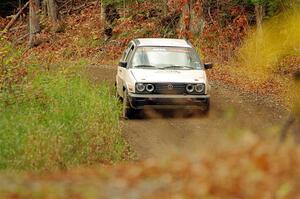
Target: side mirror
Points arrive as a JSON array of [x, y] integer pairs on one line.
[[123, 64], [208, 65]]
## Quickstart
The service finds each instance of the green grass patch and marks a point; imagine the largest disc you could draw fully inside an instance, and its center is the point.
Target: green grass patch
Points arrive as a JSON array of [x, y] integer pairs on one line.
[[60, 121]]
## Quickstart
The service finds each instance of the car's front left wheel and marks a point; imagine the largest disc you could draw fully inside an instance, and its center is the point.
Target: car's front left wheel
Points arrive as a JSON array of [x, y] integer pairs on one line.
[[206, 107], [127, 112]]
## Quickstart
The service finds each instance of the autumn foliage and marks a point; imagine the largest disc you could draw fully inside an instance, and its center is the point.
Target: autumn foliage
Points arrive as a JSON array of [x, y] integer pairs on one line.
[[254, 169]]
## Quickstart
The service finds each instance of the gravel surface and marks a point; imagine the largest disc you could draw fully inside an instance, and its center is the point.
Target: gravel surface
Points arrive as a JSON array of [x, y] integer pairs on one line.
[[233, 112]]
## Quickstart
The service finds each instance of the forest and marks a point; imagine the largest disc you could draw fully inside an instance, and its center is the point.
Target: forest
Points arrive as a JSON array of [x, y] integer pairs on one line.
[[61, 130]]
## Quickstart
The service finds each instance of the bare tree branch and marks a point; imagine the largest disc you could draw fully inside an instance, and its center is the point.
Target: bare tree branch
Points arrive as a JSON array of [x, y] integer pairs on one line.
[[13, 20]]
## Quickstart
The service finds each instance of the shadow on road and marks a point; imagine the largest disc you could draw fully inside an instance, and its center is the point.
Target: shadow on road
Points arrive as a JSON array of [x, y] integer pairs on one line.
[[168, 114]]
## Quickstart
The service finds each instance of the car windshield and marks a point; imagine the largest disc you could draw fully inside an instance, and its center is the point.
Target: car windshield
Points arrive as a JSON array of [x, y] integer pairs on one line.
[[166, 58]]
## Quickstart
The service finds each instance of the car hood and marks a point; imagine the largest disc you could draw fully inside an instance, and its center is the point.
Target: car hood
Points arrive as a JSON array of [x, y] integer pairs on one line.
[[180, 76]]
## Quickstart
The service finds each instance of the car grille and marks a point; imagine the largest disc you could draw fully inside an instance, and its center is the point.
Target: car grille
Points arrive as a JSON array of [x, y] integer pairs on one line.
[[170, 88]]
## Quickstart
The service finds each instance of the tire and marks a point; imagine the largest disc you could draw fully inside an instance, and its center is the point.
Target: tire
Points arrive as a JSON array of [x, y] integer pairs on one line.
[[127, 111], [206, 107]]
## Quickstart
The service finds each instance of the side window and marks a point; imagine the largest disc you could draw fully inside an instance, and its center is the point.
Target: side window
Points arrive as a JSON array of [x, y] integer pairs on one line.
[[124, 55], [126, 51], [129, 53]]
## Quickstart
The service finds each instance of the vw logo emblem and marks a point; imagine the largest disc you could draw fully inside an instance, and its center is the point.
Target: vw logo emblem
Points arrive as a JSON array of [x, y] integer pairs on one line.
[[170, 87]]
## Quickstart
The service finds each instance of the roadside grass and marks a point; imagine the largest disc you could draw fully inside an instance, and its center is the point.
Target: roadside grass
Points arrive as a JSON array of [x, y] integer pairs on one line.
[[52, 117], [60, 122]]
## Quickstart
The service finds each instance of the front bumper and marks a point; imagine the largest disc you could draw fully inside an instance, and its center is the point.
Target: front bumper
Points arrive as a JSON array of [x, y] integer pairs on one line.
[[140, 101]]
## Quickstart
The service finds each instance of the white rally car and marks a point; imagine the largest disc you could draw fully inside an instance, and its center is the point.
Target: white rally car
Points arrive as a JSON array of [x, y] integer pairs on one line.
[[162, 74]]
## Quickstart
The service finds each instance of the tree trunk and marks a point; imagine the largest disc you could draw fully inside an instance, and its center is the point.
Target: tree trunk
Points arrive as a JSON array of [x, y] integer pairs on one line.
[[52, 10], [196, 17], [44, 8], [259, 13], [186, 20], [102, 10], [124, 8], [34, 22], [103, 19], [165, 7]]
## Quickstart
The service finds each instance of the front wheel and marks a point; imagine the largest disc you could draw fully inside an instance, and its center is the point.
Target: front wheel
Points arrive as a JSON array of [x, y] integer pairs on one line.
[[206, 107], [127, 112]]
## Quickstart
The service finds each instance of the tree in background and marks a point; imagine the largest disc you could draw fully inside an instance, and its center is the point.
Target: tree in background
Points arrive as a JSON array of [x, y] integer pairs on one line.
[[109, 13], [165, 6], [192, 17], [34, 21], [102, 11], [259, 12], [268, 8], [186, 18], [52, 11]]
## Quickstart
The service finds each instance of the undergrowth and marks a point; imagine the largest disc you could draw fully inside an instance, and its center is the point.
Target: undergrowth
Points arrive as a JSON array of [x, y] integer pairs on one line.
[[55, 119], [263, 49]]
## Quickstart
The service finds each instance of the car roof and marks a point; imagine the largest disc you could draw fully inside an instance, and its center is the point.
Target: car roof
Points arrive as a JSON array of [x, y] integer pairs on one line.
[[163, 42]]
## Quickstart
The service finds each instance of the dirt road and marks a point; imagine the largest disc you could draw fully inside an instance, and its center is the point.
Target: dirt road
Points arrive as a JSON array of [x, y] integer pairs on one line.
[[233, 112]]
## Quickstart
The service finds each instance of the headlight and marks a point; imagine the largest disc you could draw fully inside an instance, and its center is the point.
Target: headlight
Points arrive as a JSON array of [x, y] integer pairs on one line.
[[150, 88], [140, 87], [189, 88], [199, 88]]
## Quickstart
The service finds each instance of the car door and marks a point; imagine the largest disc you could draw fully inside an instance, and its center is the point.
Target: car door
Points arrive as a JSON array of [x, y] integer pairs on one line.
[[122, 72]]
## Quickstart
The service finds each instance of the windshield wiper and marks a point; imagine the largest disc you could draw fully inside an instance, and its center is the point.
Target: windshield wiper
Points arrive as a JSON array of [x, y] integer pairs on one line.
[[177, 67], [144, 66]]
